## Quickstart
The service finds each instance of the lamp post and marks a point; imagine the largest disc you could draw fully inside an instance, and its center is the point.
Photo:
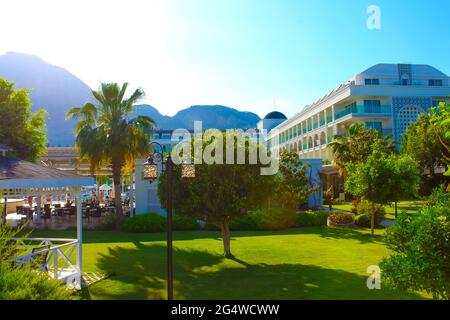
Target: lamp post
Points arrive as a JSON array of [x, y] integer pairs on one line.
[[151, 173]]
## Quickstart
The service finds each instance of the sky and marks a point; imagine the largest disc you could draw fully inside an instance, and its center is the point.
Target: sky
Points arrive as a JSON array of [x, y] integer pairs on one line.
[[253, 55]]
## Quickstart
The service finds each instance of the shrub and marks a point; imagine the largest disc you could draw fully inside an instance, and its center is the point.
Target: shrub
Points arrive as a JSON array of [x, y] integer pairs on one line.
[[150, 222], [341, 218], [312, 219], [24, 283], [249, 221], [365, 208], [266, 219], [27, 284], [420, 252], [276, 218], [439, 197], [181, 223], [363, 221]]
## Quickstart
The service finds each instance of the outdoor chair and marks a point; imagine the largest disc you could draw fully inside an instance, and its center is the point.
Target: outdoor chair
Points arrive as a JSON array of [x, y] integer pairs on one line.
[[47, 212], [39, 259]]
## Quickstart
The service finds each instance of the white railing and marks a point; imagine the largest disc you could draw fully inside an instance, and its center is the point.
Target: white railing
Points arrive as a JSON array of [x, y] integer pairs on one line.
[[61, 258]]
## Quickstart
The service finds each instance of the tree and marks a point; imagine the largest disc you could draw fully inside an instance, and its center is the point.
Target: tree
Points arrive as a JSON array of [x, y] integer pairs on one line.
[[219, 192], [355, 146], [441, 118], [405, 178], [21, 129], [293, 186], [383, 178], [421, 141], [420, 246], [105, 135]]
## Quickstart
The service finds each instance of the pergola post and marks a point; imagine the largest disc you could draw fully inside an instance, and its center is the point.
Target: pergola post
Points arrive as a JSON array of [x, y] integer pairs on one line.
[[131, 195], [38, 209], [79, 233]]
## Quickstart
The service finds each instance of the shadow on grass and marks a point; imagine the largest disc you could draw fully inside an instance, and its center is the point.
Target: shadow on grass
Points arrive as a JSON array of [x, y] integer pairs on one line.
[[140, 273], [361, 235]]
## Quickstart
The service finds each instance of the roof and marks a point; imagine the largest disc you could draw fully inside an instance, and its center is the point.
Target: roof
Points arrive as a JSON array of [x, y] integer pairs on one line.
[[275, 115], [16, 173], [391, 69]]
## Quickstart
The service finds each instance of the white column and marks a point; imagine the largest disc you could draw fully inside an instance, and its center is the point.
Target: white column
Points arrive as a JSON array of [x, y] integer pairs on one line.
[[79, 233], [131, 195]]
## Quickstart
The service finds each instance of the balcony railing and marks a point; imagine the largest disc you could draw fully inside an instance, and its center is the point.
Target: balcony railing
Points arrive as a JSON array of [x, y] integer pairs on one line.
[[329, 118], [363, 110]]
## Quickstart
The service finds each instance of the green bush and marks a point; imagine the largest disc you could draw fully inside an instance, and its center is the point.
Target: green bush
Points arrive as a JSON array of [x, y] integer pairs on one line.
[[420, 252], [266, 219], [27, 284], [249, 221], [276, 218], [312, 219], [363, 221], [365, 208], [142, 223], [24, 283], [439, 197], [182, 223]]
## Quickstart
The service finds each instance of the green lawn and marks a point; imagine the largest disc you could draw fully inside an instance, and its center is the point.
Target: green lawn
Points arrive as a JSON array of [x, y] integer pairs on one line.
[[306, 263], [408, 206]]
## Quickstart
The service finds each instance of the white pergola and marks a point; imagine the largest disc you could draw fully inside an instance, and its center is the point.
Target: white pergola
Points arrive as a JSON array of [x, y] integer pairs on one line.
[[20, 178]]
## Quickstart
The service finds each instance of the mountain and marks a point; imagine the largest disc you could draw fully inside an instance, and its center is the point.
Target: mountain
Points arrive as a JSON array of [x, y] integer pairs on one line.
[[212, 116], [56, 90], [51, 88]]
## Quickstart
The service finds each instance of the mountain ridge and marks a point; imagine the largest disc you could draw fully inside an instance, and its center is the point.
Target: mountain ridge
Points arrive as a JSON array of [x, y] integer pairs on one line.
[[56, 90]]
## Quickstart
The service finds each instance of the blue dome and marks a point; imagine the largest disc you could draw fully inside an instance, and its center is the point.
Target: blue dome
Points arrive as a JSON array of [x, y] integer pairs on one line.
[[275, 115]]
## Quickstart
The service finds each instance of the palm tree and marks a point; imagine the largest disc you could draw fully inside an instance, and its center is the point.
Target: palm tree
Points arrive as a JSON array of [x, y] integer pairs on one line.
[[106, 135], [356, 145], [342, 144]]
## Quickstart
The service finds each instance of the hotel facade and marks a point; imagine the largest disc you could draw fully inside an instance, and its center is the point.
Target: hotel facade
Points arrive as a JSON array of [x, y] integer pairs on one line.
[[385, 97]]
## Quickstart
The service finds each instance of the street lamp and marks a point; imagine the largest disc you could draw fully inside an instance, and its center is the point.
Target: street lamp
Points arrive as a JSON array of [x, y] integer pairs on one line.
[[151, 173]]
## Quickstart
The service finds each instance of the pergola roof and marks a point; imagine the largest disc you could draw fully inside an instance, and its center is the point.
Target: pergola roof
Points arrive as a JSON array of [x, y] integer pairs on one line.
[[20, 174]]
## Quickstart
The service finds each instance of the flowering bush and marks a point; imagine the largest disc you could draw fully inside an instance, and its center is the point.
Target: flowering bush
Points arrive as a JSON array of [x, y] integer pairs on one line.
[[341, 218]]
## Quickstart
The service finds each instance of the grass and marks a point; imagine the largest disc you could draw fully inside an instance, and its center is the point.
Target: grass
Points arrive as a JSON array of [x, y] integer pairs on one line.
[[408, 206], [305, 263]]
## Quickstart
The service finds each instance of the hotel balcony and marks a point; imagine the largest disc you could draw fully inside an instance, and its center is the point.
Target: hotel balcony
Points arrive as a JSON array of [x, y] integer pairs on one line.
[[364, 110]]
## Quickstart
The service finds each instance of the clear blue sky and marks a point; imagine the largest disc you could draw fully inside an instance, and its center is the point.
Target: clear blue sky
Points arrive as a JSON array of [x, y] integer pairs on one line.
[[241, 53]]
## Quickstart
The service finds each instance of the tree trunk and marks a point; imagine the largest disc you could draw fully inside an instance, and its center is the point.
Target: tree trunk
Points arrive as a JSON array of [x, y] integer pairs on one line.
[[372, 222], [117, 196], [4, 211], [395, 203], [225, 227]]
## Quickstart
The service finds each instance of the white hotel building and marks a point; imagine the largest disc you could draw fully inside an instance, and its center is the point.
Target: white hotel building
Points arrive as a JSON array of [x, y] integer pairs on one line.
[[386, 97]]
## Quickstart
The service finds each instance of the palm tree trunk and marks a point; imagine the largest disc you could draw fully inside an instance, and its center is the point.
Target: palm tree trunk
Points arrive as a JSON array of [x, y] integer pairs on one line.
[[116, 168], [225, 227], [372, 220]]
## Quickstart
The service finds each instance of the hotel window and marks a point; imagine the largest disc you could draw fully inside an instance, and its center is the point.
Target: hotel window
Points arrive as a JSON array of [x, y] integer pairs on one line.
[[166, 136], [435, 83], [376, 125], [372, 82], [372, 106]]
